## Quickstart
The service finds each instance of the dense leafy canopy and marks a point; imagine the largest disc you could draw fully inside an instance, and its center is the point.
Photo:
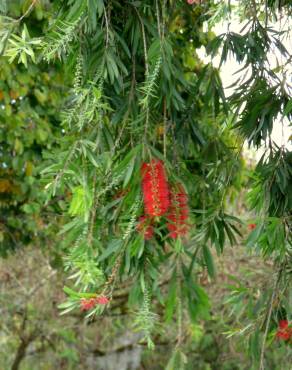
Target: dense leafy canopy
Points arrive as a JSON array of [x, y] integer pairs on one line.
[[140, 95], [30, 100]]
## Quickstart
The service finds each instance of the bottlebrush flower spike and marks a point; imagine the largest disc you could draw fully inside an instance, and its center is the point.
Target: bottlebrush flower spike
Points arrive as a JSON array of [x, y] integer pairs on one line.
[[87, 304], [283, 334], [102, 299], [284, 331], [283, 324], [155, 188], [178, 212], [145, 227]]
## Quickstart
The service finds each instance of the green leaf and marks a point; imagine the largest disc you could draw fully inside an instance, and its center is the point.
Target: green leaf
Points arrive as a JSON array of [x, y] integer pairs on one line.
[[92, 11], [23, 58], [288, 108], [113, 246], [170, 305], [122, 165], [209, 261], [129, 173], [71, 292], [154, 50], [177, 361], [76, 295], [100, 7], [81, 202]]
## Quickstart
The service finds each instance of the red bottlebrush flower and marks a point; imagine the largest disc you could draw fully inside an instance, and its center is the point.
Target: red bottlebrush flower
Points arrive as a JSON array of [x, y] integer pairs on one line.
[[102, 299], [251, 226], [283, 324], [178, 213], [284, 332], [155, 188], [87, 303], [145, 228]]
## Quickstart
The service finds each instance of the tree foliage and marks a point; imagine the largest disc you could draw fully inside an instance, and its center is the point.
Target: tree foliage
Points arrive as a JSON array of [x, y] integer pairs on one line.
[[141, 96], [31, 97]]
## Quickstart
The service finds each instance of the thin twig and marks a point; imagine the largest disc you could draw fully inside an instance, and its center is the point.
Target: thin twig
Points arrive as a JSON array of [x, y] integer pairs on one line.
[[163, 19], [146, 70], [164, 127], [254, 8], [107, 28], [27, 12], [158, 20], [144, 43], [112, 277], [179, 338], [275, 287], [230, 174], [93, 213], [125, 119], [66, 164], [33, 290]]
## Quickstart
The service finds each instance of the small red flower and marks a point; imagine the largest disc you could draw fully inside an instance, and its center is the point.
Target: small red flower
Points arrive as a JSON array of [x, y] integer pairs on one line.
[[284, 332], [102, 299], [178, 212], [283, 335], [145, 227], [283, 324], [87, 303], [251, 226], [155, 188]]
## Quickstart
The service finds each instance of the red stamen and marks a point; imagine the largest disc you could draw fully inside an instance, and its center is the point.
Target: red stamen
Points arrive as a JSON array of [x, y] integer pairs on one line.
[[284, 331], [102, 299], [283, 324], [87, 304], [283, 335], [178, 213], [155, 188]]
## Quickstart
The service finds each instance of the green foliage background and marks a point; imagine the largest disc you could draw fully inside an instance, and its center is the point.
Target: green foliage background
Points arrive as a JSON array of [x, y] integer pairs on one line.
[[31, 100]]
